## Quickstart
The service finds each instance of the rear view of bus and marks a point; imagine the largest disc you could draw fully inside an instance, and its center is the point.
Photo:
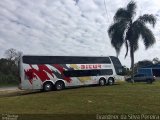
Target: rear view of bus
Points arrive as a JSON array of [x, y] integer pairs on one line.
[[57, 72]]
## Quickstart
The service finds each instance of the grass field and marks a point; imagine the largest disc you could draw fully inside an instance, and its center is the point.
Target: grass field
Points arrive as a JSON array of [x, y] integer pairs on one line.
[[123, 98]]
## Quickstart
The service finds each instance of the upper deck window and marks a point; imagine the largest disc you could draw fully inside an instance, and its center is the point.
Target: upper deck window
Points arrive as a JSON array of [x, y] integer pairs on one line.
[[64, 60]]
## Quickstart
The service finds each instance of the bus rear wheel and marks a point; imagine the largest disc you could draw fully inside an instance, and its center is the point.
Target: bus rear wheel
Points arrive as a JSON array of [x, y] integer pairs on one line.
[[48, 86], [59, 85]]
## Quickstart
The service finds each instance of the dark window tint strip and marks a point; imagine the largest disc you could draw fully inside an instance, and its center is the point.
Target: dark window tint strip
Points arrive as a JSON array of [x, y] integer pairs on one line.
[[64, 60], [81, 73]]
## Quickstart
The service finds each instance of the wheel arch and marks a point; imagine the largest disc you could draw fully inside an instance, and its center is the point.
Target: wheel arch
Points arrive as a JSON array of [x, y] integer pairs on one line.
[[48, 81], [60, 80]]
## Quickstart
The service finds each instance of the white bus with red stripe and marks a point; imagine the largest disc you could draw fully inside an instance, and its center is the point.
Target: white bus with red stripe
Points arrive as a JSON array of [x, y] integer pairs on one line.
[[48, 72]]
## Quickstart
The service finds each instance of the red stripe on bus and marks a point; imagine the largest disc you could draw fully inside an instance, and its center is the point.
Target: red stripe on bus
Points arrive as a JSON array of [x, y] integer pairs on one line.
[[41, 73], [61, 70]]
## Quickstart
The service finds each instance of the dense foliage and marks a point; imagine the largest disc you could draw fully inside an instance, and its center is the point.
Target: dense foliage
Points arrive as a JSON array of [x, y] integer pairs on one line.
[[8, 72]]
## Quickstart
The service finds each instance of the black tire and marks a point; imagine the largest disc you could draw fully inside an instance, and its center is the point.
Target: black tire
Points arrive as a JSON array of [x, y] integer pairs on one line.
[[59, 85], [149, 81], [102, 82], [48, 86], [110, 81]]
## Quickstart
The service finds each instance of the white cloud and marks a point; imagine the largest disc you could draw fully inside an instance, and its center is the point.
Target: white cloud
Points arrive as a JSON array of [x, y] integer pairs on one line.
[[59, 27]]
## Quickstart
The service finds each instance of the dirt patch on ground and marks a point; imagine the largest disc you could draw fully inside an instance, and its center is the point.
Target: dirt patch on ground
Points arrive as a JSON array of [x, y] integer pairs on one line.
[[15, 92]]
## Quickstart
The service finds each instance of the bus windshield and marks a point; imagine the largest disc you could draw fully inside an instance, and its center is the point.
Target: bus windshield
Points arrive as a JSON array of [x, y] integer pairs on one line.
[[117, 65]]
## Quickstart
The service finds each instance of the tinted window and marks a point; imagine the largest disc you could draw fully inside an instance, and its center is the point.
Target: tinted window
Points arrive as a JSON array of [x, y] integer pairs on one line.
[[139, 75], [64, 60], [146, 71], [80, 73], [156, 72], [136, 76]]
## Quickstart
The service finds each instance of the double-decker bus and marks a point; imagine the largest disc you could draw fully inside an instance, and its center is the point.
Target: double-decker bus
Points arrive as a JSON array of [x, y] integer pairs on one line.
[[59, 72]]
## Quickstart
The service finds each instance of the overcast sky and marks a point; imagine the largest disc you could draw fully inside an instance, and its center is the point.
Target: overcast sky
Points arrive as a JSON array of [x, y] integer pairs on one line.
[[62, 27]]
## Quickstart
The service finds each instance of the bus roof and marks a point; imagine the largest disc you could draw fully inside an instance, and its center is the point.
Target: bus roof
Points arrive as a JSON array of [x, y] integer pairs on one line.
[[63, 55]]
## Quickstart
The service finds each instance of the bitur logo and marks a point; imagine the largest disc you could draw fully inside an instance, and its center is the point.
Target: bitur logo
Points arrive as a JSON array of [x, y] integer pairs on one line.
[[97, 66]]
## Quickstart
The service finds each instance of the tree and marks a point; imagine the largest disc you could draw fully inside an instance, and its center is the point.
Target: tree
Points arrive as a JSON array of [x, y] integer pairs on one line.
[[125, 71], [12, 55], [8, 72], [142, 63], [126, 30], [156, 60], [17, 57]]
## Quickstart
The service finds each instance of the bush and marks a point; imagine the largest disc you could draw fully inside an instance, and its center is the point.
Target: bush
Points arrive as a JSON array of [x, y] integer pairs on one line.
[[8, 79], [8, 72]]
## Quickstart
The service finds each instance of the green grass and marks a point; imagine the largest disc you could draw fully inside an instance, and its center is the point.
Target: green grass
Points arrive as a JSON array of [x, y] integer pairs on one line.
[[124, 98]]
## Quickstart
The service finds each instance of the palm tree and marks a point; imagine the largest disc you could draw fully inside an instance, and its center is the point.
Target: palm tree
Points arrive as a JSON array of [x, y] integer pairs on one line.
[[126, 30]]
